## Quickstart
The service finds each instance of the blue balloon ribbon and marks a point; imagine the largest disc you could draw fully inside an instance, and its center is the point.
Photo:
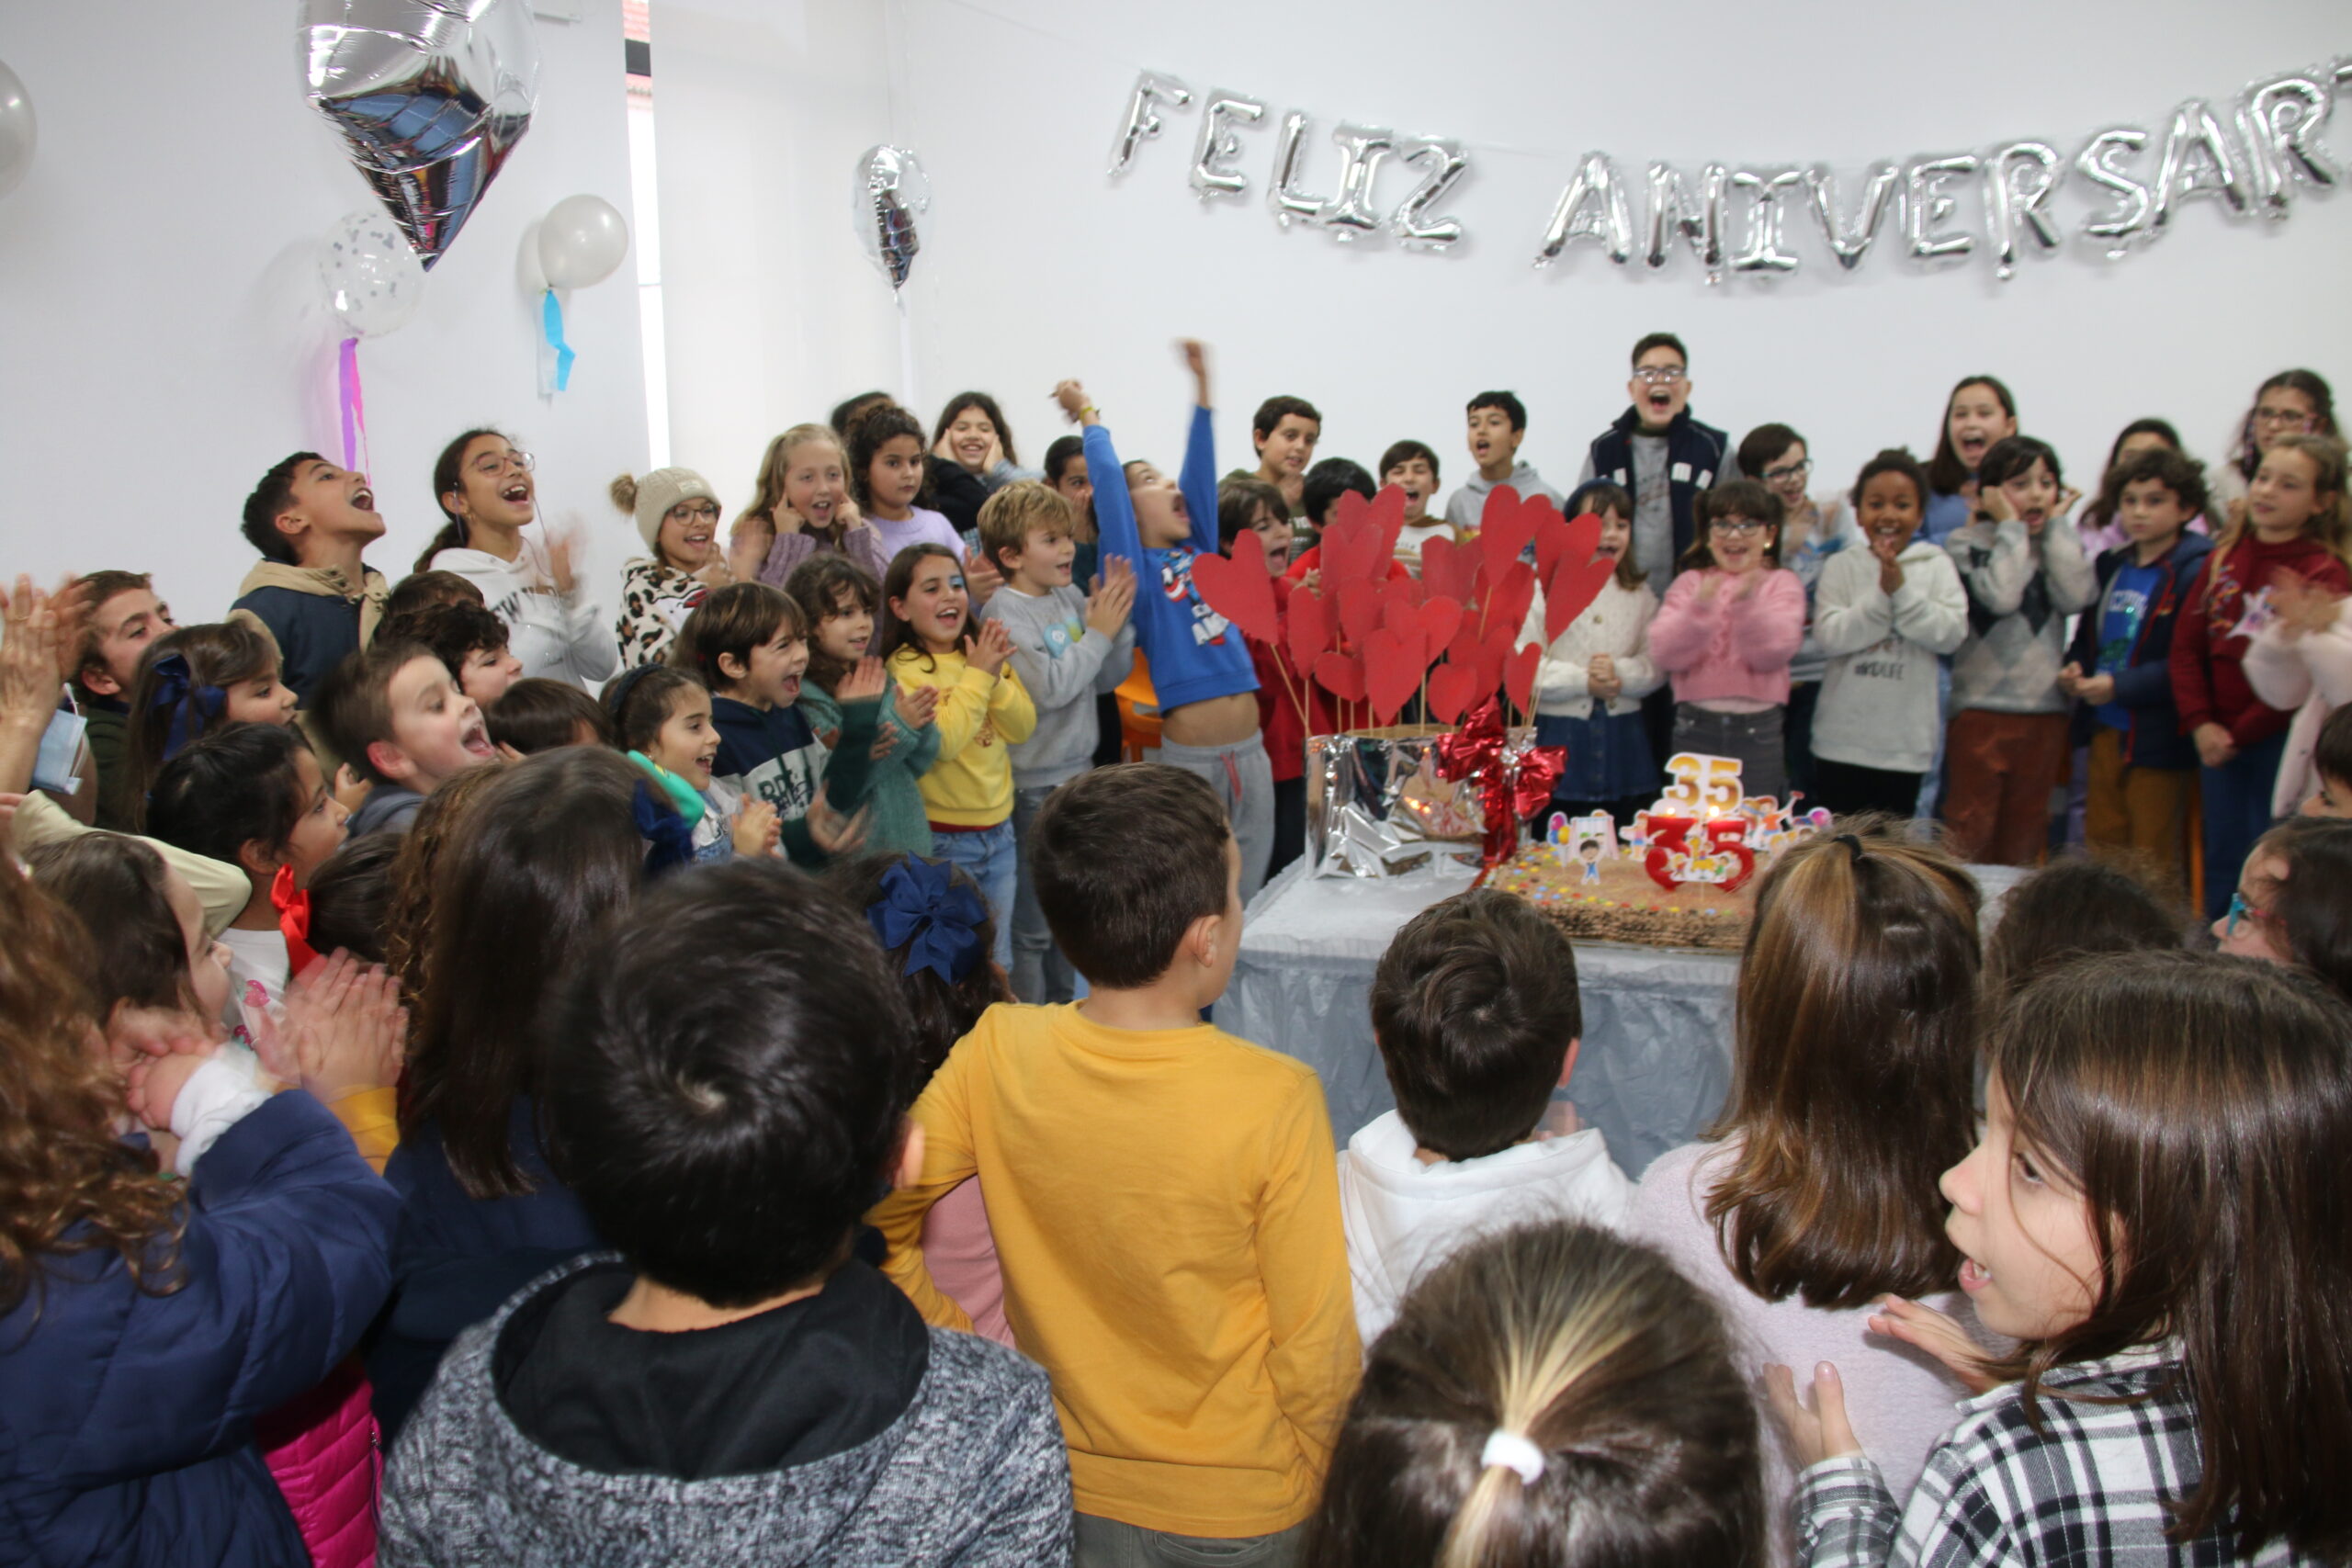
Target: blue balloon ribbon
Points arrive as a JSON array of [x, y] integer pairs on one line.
[[551, 319]]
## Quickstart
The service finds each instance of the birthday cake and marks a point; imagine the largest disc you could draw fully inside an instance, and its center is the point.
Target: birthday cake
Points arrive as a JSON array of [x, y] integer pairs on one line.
[[1621, 903]]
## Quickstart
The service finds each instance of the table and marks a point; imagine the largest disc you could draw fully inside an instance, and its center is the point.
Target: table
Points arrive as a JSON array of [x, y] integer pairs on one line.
[[1656, 1064]]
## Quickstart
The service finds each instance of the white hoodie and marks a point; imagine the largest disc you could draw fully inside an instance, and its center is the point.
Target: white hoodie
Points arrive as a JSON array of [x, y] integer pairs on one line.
[[554, 635], [1878, 694], [1403, 1217]]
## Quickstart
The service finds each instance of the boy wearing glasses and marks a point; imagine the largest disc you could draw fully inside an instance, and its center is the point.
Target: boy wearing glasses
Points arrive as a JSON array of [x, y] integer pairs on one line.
[[1660, 454]]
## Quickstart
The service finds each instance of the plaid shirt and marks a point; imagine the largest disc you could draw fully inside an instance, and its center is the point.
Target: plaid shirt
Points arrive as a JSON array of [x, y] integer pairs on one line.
[[2089, 1488]]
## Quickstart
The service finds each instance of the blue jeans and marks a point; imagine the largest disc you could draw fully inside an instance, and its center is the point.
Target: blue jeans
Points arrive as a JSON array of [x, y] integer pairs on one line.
[[991, 857], [2237, 812], [1040, 972]]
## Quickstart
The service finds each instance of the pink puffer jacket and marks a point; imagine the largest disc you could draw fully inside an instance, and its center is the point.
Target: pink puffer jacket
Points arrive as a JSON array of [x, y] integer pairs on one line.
[[326, 1456]]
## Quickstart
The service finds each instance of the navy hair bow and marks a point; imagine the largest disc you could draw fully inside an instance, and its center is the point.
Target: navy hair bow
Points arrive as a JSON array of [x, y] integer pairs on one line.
[[174, 687], [670, 841], [925, 910]]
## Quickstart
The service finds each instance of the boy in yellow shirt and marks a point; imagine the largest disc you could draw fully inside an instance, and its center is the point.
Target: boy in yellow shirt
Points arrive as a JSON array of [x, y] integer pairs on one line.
[[1163, 1196]]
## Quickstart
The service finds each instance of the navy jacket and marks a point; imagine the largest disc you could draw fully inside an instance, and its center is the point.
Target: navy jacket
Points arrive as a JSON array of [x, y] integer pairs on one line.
[[457, 1258], [1696, 457], [2154, 740], [125, 1419], [314, 631]]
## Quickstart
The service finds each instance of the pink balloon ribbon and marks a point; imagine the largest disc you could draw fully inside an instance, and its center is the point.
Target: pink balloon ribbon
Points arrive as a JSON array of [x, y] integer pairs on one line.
[[354, 407]]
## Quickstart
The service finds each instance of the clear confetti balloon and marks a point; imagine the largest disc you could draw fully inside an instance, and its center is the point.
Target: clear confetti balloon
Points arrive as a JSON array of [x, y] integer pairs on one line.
[[373, 280], [429, 97], [19, 132]]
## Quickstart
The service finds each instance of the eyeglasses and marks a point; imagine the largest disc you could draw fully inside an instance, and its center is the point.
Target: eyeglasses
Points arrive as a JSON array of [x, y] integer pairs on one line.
[[700, 511], [2240, 910], [2281, 416], [1736, 526], [1795, 471], [1658, 374], [492, 466]]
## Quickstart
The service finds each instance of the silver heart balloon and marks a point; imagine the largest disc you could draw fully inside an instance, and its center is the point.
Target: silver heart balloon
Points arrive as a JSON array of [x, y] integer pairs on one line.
[[890, 193], [429, 97]]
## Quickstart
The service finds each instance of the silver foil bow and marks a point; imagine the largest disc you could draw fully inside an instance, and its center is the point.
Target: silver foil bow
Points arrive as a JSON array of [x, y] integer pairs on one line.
[[429, 97]]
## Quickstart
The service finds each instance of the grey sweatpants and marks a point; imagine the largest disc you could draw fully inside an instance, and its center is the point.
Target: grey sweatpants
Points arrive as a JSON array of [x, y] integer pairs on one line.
[[1244, 782]]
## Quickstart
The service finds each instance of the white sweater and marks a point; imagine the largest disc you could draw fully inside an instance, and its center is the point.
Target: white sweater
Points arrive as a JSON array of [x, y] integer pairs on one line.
[[1878, 694], [2311, 676], [1616, 623], [564, 636]]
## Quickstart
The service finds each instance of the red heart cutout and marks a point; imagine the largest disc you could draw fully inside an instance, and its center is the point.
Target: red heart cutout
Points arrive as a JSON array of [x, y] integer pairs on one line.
[[1462, 646], [1339, 675], [1519, 676], [1452, 687], [1504, 602], [1352, 510], [1359, 610], [1311, 627], [1557, 538], [1393, 663], [1493, 655], [1238, 588], [1437, 621], [1571, 588], [1447, 568], [1386, 515], [1508, 525]]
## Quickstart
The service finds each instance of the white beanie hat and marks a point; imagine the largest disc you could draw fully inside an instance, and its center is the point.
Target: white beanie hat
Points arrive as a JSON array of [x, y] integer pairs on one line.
[[651, 497]]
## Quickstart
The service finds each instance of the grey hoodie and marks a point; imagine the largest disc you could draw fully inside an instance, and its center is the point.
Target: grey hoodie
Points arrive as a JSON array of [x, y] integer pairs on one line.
[[389, 809], [2021, 592], [1465, 506]]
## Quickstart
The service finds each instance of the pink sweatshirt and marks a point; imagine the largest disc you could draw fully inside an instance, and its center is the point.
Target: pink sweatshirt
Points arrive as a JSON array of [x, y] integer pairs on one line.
[[960, 1251], [1726, 648]]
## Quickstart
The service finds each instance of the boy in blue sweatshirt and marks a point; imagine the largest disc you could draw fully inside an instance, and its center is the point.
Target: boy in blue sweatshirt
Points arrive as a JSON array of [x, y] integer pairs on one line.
[[311, 520], [1201, 667]]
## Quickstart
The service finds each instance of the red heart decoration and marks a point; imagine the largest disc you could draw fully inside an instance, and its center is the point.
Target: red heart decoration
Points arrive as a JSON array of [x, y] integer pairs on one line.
[[1436, 620], [1238, 588], [1310, 627], [1393, 663], [1462, 646], [1447, 568], [1575, 540], [1494, 654], [1508, 525], [1386, 515], [1519, 676], [1571, 588], [1340, 675], [1358, 610], [1452, 687], [1505, 601]]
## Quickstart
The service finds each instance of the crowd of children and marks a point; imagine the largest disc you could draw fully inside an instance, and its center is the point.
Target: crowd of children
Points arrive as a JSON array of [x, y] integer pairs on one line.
[[482, 1081]]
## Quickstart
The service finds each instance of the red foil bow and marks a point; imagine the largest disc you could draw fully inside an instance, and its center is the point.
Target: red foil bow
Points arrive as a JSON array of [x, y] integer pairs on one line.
[[293, 921], [1513, 781]]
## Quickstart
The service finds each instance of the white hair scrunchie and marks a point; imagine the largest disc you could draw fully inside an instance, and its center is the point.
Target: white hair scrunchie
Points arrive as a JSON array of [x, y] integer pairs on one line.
[[1513, 1451]]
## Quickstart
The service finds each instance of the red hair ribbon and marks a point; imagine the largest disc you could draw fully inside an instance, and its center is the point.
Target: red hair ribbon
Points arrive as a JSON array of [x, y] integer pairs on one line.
[[293, 907]]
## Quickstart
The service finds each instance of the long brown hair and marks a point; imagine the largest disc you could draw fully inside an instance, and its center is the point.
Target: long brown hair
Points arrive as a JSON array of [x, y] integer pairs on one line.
[[219, 654], [895, 633], [68, 1184], [1946, 474], [119, 888], [1591, 1349], [2246, 455], [449, 474], [542, 857], [408, 917], [2202, 1105], [826, 585], [1853, 1081]]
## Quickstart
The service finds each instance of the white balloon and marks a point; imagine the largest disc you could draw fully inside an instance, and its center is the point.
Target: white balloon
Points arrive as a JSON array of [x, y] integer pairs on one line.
[[19, 130], [373, 280], [582, 242]]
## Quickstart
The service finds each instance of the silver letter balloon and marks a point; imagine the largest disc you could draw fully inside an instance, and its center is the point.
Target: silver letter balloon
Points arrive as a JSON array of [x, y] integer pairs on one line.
[[429, 96], [890, 193]]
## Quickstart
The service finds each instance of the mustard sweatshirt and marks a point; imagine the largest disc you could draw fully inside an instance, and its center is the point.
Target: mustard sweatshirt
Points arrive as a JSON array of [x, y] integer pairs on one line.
[[1166, 1210], [970, 785]]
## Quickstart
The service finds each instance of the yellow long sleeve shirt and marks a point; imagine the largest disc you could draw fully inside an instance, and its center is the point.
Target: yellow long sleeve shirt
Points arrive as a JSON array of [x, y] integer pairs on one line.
[[1166, 1210], [971, 783]]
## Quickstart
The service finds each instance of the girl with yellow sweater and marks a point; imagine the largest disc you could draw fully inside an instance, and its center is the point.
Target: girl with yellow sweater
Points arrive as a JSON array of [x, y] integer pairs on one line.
[[929, 639]]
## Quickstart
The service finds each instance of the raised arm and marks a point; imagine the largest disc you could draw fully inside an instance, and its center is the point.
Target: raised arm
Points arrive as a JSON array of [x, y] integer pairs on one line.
[[1198, 480]]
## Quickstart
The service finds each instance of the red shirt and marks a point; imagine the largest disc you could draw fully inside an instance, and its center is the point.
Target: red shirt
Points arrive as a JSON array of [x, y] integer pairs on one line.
[[2209, 681], [1280, 685]]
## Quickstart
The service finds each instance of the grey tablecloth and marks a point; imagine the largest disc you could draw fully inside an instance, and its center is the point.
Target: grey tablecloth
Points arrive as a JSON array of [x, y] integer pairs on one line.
[[1657, 1023]]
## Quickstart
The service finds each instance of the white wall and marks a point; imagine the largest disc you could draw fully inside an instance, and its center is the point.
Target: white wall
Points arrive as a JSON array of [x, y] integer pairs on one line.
[[1036, 266], [163, 335]]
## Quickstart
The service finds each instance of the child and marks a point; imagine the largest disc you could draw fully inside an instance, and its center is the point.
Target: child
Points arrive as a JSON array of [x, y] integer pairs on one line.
[[235, 1292], [1067, 649], [2292, 403], [2102, 521], [310, 521], [886, 465], [1189, 1297], [423, 589], [408, 919], [351, 896], [801, 509], [1498, 424], [2331, 769], [252, 795], [121, 615], [732, 1386], [1065, 472], [1284, 432], [1885, 614], [929, 639], [1853, 1082], [2289, 904], [1980, 411], [193, 680], [2067, 909], [1589, 686], [1300, 538], [972, 434], [2021, 563], [1731, 623], [935, 934], [2175, 1403], [749, 645], [1290, 706], [1550, 1397], [1412, 467], [1476, 1011], [1660, 455], [2294, 534], [486, 492], [677, 517], [541, 715], [471, 641], [1206, 683], [841, 600], [546, 854], [1811, 531], [662, 719], [2141, 768], [395, 715]]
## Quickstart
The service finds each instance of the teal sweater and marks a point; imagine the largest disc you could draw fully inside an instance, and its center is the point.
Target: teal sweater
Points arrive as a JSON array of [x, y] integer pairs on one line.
[[895, 820]]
